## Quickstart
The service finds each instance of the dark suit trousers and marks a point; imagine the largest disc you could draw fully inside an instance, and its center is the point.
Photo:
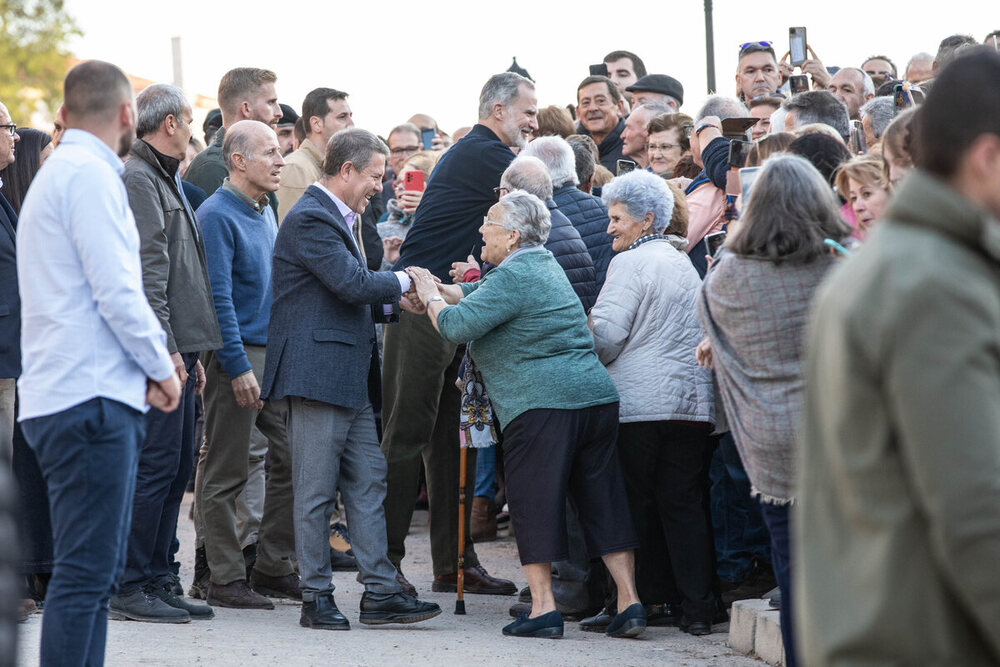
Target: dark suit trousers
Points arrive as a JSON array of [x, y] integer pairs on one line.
[[420, 413]]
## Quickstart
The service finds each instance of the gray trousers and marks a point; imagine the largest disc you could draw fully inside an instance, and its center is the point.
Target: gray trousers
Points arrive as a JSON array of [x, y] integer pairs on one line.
[[335, 447], [7, 390], [223, 472]]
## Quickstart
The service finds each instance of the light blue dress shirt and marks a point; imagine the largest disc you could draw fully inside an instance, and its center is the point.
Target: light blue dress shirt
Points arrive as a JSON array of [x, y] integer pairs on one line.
[[87, 329]]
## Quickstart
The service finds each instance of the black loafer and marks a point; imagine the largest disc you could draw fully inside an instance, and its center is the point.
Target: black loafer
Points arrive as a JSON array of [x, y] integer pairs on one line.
[[628, 623], [697, 628], [395, 608], [549, 626], [322, 614], [598, 623]]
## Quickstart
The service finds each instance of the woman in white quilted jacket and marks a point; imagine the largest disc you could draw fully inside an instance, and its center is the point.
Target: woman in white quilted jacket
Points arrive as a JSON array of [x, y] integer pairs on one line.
[[646, 329]]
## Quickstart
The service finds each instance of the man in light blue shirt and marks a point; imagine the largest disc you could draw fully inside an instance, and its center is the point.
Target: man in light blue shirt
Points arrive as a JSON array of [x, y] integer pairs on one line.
[[93, 354]]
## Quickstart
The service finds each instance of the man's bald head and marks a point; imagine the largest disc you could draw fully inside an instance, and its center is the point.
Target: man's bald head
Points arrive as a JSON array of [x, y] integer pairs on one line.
[[529, 174], [244, 137]]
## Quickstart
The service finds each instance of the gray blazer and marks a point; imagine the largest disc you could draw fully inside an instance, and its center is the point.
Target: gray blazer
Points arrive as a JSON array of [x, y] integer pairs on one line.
[[174, 271], [321, 338]]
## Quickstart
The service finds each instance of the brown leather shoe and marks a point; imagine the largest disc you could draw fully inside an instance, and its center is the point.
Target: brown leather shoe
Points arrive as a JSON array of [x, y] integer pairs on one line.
[[483, 524], [408, 588], [477, 580], [276, 587], [237, 595]]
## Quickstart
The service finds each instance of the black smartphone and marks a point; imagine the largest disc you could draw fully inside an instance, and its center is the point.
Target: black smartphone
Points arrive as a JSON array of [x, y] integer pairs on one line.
[[858, 144], [738, 151], [427, 137], [624, 167], [797, 46], [599, 70], [798, 83], [713, 242]]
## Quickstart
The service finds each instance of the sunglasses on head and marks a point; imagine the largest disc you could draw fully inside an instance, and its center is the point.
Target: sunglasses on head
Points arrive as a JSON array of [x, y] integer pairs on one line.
[[747, 45]]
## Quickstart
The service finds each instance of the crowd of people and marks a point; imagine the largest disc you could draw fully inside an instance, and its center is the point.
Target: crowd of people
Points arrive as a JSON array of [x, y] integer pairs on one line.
[[692, 357]]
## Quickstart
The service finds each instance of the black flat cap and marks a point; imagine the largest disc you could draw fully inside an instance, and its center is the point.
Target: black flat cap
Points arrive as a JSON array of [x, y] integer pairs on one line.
[[288, 115], [659, 83]]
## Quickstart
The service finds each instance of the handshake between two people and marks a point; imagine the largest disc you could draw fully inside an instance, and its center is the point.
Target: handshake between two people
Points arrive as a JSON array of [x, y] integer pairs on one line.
[[423, 286]]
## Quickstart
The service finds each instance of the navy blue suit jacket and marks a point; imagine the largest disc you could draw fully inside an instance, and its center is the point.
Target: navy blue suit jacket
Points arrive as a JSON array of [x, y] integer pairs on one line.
[[321, 337], [10, 298]]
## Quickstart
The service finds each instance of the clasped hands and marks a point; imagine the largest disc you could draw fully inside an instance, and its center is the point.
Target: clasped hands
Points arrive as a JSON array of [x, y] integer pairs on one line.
[[423, 286]]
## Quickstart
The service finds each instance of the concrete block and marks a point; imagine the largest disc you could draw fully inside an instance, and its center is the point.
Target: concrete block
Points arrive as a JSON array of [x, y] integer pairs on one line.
[[767, 638], [742, 625]]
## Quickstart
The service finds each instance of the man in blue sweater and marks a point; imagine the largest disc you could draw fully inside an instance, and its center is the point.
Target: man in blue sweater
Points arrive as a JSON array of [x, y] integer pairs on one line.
[[239, 229], [421, 403]]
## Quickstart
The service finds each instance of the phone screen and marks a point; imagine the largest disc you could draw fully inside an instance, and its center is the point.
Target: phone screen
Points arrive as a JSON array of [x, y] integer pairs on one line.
[[858, 143], [797, 45], [625, 166], [738, 151], [798, 83], [901, 99], [427, 137], [747, 177]]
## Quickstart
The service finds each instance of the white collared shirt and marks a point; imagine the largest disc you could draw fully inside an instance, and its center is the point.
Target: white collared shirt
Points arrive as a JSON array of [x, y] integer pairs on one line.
[[87, 329]]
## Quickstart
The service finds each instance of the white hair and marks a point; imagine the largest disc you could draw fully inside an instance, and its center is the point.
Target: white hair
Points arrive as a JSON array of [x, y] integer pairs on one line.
[[557, 156], [526, 213], [641, 192]]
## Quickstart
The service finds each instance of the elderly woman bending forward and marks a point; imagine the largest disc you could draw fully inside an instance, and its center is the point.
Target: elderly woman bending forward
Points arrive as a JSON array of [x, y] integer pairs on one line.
[[556, 404], [646, 329]]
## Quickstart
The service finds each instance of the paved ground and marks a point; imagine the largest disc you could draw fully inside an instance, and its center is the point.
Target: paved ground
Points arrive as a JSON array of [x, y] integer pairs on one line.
[[239, 637]]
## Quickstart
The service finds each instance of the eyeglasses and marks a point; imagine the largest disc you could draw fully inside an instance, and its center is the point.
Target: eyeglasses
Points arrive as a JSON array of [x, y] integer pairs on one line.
[[12, 128], [403, 150], [652, 148], [746, 45], [487, 221], [500, 192]]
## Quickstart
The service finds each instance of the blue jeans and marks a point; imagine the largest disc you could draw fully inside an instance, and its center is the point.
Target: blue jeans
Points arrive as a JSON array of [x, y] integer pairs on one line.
[[87, 455], [740, 534], [486, 473], [164, 468], [777, 519]]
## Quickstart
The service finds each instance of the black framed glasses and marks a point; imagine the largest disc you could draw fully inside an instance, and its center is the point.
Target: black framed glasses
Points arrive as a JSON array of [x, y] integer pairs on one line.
[[500, 192], [11, 127], [404, 150]]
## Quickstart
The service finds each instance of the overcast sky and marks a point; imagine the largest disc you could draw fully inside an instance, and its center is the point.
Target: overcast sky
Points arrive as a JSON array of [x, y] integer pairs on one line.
[[399, 58]]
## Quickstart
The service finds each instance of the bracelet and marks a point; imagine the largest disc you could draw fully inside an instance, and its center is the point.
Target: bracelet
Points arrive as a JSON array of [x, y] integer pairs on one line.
[[703, 126], [433, 299]]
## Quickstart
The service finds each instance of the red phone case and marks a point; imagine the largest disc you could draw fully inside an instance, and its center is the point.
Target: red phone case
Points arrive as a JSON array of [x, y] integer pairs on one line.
[[413, 180]]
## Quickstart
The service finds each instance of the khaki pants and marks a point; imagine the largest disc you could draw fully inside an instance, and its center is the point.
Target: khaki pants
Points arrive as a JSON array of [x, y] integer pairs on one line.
[[222, 475], [420, 416]]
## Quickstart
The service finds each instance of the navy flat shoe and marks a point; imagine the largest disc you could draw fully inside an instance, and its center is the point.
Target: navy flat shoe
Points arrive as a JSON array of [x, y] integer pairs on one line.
[[628, 623], [548, 625]]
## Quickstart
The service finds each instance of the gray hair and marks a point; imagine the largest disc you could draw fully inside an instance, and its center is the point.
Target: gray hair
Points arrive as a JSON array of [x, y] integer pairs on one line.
[[241, 138], [880, 110], [527, 214], [557, 155], [528, 173], [819, 106], [154, 104], [867, 85], [790, 211], [724, 107], [405, 127], [501, 89], [354, 145], [641, 192], [922, 57]]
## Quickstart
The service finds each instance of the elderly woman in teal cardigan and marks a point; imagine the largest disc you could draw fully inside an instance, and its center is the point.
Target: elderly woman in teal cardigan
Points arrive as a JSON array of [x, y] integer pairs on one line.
[[556, 404]]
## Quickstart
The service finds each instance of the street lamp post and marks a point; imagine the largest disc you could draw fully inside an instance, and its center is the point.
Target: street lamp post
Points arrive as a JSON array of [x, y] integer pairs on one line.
[[709, 47]]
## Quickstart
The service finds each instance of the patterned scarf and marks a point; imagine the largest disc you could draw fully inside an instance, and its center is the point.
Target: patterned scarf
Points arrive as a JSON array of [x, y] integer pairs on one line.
[[476, 419]]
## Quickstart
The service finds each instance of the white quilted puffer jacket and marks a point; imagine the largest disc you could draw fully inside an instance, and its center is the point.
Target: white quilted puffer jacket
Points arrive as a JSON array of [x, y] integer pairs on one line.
[[646, 329]]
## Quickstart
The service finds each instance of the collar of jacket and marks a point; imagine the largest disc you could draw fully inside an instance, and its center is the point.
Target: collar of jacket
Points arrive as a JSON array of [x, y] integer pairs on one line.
[[926, 201], [314, 153], [258, 206], [166, 164], [609, 140]]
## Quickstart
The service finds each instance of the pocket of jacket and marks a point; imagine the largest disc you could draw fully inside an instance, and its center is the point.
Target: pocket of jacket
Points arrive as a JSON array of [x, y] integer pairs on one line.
[[334, 336]]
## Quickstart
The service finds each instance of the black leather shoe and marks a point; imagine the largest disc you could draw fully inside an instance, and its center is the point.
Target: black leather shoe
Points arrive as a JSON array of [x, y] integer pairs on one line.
[[142, 605], [197, 612], [322, 614], [697, 628], [660, 615], [629, 623], [548, 626], [276, 587], [379, 609], [598, 623]]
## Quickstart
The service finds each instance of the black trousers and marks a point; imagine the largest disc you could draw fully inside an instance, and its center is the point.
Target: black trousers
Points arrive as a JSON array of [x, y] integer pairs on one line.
[[548, 454], [664, 465]]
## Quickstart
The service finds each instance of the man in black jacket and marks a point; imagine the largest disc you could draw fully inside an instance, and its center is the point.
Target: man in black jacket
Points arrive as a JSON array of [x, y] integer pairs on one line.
[[175, 279], [601, 110], [421, 403]]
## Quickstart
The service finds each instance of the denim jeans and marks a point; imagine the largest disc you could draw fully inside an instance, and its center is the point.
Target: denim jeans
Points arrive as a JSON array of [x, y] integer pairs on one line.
[[777, 519], [740, 533], [486, 472], [164, 468], [36, 527], [87, 455]]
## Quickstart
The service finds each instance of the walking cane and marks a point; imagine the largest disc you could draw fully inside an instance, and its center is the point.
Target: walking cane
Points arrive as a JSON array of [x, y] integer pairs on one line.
[[460, 603]]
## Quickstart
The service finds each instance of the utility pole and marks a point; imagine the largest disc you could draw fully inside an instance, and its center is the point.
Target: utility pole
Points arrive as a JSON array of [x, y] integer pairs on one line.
[[175, 43], [709, 48]]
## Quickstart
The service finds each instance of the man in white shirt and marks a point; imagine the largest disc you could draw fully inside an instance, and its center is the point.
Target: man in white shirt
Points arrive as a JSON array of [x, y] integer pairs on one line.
[[93, 355]]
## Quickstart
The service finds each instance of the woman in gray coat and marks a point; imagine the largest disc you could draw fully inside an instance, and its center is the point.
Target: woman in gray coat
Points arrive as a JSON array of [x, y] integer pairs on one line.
[[645, 327]]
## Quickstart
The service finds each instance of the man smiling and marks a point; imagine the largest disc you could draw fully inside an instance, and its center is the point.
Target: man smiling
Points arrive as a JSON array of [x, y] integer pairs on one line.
[[600, 108]]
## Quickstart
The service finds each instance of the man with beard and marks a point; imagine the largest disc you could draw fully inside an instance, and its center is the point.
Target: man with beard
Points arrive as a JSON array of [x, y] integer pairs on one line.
[[421, 403], [94, 356], [601, 108]]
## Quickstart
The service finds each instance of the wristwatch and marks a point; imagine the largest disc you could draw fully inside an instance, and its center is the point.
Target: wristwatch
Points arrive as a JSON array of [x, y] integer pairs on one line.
[[701, 127]]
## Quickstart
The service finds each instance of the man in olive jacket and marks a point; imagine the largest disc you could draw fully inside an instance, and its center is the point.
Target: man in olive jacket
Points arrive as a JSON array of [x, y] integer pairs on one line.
[[175, 279], [897, 524]]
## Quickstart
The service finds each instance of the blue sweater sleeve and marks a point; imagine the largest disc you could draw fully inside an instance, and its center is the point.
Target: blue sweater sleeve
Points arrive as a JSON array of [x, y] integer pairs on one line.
[[220, 247], [715, 157]]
